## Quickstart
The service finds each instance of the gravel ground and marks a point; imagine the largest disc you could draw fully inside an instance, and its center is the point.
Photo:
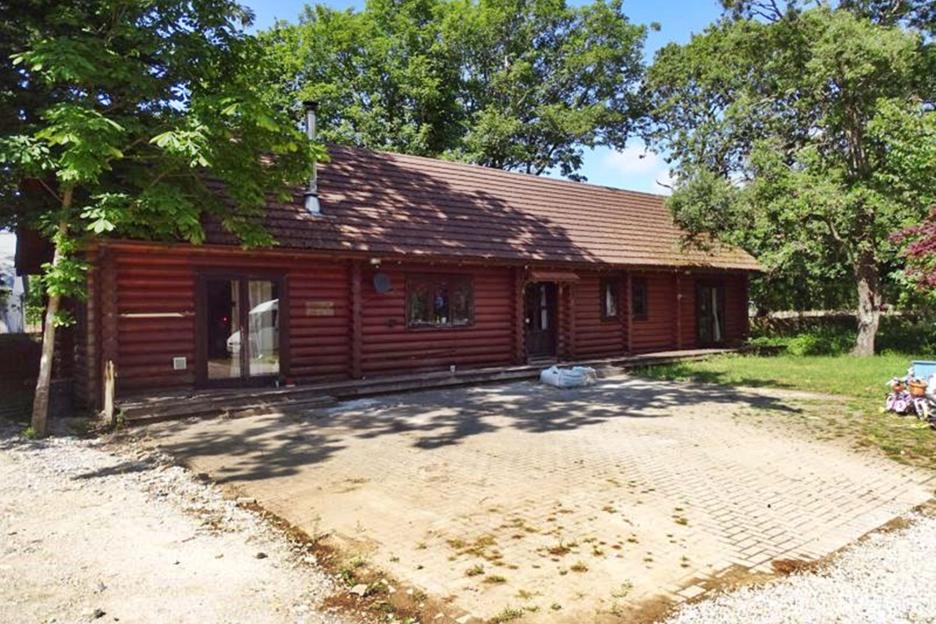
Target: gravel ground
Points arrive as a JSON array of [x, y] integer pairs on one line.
[[88, 533], [890, 577]]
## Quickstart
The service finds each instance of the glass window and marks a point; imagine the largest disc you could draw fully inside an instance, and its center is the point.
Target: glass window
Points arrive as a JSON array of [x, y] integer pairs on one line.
[[462, 304], [609, 300], [263, 327], [439, 301], [224, 335], [639, 298]]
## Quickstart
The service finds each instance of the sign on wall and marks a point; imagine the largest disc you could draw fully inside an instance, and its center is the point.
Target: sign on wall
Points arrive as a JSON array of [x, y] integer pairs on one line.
[[320, 308]]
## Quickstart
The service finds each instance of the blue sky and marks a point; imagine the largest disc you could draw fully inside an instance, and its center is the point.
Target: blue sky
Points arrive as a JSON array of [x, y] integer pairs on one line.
[[623, 169]]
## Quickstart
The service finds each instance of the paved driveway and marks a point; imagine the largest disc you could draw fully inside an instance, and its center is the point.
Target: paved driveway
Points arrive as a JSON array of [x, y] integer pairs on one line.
[[576, 505]]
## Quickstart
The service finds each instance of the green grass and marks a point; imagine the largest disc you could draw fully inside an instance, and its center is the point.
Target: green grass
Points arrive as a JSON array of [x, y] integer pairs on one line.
[[861, 381], [842, 375]]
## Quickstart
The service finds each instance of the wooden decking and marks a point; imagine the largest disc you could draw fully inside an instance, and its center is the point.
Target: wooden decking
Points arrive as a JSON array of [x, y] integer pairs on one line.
[[248, 401]]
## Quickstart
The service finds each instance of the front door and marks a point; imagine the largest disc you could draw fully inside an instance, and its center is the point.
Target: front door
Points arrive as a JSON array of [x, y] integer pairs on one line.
[[540, 319], [710, 303], [239, 327]]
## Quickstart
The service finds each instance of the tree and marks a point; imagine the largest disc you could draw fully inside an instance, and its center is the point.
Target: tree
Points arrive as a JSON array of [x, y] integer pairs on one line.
[[801, 136], [519, 84], [542, 80], [132, 106], [383, 77]]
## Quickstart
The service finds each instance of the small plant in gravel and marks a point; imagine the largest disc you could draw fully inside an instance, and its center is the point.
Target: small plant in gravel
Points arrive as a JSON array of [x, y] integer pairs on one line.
[[494, 579], [555, 606], [475, 570], [347, 576], [579, 566], [29, 433]]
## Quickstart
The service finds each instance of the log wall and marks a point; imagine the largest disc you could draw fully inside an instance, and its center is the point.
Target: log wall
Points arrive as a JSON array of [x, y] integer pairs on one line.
[[389, 346], [340, 327]]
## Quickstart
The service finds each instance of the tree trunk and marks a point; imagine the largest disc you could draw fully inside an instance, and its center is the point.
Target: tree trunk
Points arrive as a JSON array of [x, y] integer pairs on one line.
[[40, 411], [869, 304]]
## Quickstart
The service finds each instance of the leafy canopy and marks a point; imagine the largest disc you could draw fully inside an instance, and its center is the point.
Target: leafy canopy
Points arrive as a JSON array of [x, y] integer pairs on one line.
[[121, 116], [806, 136], [515, 84]]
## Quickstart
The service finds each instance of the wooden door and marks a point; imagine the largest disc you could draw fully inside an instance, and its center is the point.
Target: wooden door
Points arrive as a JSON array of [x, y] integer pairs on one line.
[[540, 319]]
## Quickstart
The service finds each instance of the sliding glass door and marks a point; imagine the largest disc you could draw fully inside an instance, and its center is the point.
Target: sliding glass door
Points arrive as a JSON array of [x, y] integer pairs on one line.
[[239, 328]]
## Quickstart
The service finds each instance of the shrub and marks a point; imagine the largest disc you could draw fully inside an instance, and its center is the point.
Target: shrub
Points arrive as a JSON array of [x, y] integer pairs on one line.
[[897, 334], [907, 335], [818, 343]]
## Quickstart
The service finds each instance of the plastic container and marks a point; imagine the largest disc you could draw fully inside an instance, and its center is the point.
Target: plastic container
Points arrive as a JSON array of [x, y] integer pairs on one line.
[[923, 369]]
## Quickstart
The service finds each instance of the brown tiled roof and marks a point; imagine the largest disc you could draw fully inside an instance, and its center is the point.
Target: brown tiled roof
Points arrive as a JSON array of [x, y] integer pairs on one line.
[[392, 204]]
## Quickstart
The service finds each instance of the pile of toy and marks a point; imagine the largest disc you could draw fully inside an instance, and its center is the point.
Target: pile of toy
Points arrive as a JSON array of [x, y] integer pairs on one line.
[[915, 393]]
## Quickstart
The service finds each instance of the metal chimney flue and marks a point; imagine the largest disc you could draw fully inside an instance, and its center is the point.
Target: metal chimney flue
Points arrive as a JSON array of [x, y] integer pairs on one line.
[[312, 205]]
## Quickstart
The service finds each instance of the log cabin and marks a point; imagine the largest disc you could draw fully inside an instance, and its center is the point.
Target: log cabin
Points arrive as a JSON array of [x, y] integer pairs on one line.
[[402, 264]]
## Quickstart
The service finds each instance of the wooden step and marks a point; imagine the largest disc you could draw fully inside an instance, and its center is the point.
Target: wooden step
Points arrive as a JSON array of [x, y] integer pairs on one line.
[[253, 401]]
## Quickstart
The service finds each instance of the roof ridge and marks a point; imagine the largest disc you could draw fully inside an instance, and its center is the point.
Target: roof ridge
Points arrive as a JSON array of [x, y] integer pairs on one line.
[[455, 164]]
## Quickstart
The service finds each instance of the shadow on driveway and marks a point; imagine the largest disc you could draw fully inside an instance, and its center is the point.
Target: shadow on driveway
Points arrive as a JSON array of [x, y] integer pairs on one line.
[[265, 447]]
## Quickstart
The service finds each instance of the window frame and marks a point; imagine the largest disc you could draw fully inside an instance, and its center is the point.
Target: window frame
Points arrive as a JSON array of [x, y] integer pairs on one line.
[[639, 284], [615, 285], [451, 281]]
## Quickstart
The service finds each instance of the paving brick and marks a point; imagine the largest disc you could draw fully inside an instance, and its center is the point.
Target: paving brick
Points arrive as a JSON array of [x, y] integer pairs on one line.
[[411, 475]]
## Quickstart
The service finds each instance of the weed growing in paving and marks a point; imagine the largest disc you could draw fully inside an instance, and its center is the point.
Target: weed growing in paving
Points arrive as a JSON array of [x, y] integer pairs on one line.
[[561, 549], [624, 590], [507, 615]]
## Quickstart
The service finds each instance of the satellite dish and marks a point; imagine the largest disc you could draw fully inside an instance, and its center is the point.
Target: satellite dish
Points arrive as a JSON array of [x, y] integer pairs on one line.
[[382, 283]]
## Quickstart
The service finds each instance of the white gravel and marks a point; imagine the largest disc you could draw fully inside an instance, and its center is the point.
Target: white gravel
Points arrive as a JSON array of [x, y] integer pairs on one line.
[[888, 578], [90, 535]]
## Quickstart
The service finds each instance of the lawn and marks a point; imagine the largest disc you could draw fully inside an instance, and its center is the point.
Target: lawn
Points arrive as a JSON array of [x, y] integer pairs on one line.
[[861, 381]]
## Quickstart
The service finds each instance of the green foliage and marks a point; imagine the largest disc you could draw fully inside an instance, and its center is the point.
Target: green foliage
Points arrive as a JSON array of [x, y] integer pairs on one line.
[[817, 344], [898, 335], [522, 85], [805, 135], [119, 119]]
